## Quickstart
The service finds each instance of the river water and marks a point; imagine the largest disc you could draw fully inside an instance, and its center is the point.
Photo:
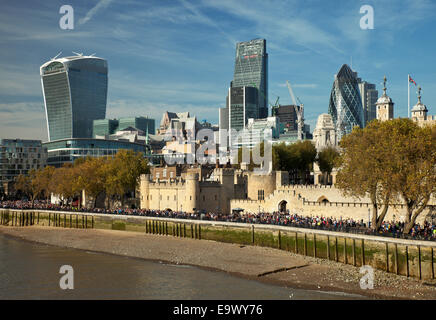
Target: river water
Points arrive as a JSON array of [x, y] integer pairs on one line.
[[31, 271]]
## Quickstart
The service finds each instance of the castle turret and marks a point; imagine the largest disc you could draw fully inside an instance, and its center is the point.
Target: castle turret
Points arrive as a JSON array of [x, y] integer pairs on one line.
[[145, 191], [385, 106], [192, 192], [419, 111]]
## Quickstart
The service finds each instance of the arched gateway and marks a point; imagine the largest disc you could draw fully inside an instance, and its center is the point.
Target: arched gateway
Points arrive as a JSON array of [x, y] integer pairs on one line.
[[282, 206]]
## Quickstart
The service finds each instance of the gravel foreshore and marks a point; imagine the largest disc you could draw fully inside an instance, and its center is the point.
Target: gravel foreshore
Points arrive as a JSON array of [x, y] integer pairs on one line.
[[252, 262]]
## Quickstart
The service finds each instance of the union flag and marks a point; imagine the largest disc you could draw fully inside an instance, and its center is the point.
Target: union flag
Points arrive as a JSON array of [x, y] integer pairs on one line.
[[412, 81]]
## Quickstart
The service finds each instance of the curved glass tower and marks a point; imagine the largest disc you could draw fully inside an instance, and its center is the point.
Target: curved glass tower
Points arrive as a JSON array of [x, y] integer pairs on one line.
[[345, 105], [75, 94]]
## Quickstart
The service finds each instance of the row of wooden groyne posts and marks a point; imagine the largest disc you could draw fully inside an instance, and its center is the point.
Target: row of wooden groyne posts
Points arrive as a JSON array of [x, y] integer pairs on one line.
[[414, 259]]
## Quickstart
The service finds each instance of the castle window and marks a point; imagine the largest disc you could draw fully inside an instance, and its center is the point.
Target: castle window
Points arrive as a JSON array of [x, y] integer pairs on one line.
[[164, 173], [190, 197], [260, 194]]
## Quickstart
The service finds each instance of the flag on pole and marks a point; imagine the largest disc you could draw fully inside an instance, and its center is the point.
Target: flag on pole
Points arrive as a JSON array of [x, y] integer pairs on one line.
[[411, 80]]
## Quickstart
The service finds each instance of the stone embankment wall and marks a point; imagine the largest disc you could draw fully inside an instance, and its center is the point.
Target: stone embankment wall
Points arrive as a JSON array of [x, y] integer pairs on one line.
[[405, 257]]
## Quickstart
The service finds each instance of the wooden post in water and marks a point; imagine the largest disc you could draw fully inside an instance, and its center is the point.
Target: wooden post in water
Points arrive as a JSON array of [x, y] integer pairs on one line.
[[184, 230], [77, 221], [387, 257], [407, 261], [314, 245], [345, 251], [362, 245], [166, 227], [192, 231], [305, 244], [92, 222], [296, 242], [397, 265], [419, 263], [280, 241], [328, 247], [432, 265], [354, 252], [86, 222], [199, 232], [252, 233], [336, 249], [65, 220]]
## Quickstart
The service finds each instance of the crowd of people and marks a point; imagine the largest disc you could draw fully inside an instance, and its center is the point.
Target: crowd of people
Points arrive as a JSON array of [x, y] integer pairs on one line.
[[392, 229]]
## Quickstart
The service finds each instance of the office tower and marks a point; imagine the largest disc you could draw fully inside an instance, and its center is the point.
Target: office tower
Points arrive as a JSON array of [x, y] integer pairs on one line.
[[75, 93], [251, 70], [369, 96], [103, 127], [345, 105], [17, 157], [142, 123], [287, 116], [241, 105]]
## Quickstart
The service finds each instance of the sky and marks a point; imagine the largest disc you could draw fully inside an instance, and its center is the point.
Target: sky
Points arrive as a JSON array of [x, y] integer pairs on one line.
[[179, 55]]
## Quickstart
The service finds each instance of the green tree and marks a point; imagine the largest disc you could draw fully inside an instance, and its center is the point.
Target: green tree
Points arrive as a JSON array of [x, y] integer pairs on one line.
[[123, 172], [363, 168], [412, 165], [387, 161], [92, 175], [31, 184], [327, 159], [65, 182]]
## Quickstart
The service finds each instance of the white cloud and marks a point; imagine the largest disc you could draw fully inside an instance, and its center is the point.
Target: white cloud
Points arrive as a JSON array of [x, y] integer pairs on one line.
[[99, 6]]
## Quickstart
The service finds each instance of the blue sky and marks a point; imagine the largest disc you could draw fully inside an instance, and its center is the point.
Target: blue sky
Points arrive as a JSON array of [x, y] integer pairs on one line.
[[179, 55]]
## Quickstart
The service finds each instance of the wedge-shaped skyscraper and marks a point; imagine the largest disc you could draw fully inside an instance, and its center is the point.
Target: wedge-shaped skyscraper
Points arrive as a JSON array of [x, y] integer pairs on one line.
[[75, 94], [345, 105]]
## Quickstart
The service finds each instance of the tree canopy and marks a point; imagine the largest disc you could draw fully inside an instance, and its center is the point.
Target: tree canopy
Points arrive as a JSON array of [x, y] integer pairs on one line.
[[388, 161]]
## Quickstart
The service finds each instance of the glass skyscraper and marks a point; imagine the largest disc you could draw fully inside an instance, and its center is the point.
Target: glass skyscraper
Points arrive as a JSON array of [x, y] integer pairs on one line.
[[75, 94], [345, 105], [251, 70]]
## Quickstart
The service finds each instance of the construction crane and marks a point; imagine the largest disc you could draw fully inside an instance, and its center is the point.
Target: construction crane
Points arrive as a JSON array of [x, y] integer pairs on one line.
[[299, 110]]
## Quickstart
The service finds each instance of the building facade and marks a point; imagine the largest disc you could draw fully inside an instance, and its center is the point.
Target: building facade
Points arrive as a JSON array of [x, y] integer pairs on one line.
[[75, 94], [18, 157], [251, 70], [104, 127], [68, 150], [345, 105], [369, 96]]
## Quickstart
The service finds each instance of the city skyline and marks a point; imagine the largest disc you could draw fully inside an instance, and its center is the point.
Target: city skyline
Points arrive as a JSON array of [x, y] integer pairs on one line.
[[152, 73]]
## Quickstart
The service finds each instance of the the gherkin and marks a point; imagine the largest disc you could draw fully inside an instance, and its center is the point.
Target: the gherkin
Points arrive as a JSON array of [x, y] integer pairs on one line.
[[345, 105]]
